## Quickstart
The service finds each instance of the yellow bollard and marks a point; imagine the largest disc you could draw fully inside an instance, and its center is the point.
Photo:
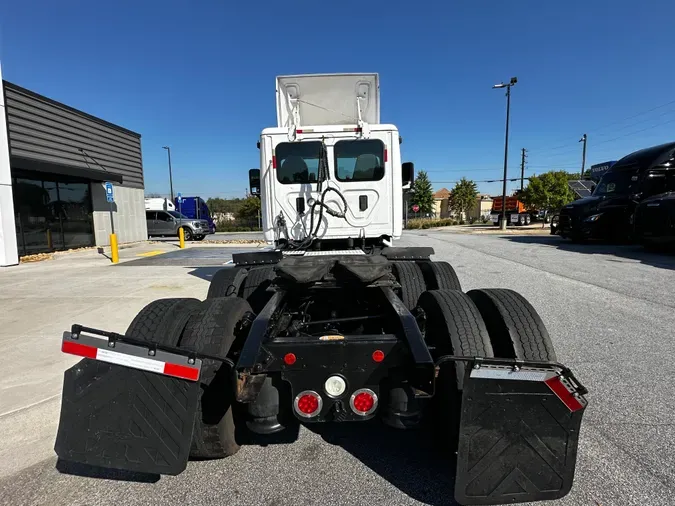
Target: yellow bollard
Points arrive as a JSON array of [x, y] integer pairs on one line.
[[50, 245], [114, 253], [181, 237]]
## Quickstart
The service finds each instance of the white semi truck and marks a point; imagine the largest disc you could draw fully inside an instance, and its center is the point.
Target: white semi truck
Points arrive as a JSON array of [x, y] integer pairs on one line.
[[333, 324], [329, 150]]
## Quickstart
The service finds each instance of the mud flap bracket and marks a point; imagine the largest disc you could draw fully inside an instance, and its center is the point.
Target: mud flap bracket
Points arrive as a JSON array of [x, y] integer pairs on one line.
[[518, 436]]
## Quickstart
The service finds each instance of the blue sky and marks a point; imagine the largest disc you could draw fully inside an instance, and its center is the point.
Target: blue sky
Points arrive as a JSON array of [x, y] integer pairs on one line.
[[199, 76]]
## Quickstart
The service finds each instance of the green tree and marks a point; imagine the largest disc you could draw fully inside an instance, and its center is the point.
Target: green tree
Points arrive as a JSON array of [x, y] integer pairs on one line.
[[463, 197], [218, 205], [422, 193], [547, 191], [249, 208]]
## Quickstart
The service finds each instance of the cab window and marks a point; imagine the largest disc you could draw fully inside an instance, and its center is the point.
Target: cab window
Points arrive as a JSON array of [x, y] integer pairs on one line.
[[359, 160], [297, 162]]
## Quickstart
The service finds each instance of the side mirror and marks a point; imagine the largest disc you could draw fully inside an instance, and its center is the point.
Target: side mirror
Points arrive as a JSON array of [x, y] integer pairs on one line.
[[254, 181], [408, 173], [592, 188]]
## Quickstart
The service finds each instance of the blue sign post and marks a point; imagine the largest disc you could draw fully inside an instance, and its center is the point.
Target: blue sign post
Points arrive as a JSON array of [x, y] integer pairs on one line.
[[110, 197], [179, 198]]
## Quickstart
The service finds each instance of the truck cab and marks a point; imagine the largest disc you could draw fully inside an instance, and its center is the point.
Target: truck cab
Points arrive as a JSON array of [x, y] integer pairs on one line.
[[330, 172], [609, 212]]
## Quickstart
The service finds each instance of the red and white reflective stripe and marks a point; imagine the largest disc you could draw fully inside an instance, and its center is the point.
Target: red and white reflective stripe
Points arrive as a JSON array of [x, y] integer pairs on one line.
[[145, 364], [563, 393], [508, 374], [554, 383]]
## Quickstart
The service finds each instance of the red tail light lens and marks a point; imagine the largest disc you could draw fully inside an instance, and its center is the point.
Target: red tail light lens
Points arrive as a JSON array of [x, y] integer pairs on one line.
[[308, 404], [378, 356], [290, 358], [363, 402]]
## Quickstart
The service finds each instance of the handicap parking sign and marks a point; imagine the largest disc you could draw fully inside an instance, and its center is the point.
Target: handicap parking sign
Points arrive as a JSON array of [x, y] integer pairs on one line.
[[109, 192]]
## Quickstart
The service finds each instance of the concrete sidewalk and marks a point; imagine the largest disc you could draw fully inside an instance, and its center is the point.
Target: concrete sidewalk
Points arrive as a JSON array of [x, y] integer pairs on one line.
[[40, 301]]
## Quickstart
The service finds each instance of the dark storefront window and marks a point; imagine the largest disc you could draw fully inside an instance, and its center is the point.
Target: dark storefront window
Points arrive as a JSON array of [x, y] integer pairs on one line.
[[52, 213]]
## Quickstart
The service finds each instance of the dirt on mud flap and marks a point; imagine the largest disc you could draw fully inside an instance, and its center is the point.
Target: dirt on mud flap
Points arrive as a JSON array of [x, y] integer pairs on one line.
[[518, 436], [127, 407]]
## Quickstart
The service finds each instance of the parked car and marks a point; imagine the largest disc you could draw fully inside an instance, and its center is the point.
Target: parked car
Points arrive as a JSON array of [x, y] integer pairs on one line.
[[167, 223]]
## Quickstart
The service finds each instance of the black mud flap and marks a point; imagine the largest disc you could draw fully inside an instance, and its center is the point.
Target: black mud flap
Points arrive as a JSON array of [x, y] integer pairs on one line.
[[518, 435], [122, 418]]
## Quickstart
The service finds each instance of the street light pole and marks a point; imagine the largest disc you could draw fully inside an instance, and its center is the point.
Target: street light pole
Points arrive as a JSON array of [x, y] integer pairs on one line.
[[583, 139], [168, 150], [508, 85]]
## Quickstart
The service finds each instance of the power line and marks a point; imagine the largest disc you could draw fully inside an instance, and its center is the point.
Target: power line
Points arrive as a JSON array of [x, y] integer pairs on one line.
[[461, 170], [593, 145], [595, 130], [635, 132]]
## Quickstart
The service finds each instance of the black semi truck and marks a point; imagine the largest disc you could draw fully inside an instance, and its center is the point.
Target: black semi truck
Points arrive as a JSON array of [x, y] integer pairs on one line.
[[655, 219], [609, 212]]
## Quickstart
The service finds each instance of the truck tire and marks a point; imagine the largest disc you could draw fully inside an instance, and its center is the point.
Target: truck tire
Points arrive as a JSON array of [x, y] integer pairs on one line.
[[226, 282], [440, 276], [213, 330], [411, 279], [254, 287], [515, 328], [162, 321], [454, 327]]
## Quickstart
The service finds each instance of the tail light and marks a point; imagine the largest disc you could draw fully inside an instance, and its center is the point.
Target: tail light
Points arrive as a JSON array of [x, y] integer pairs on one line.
[[308, 404], [363, 402]]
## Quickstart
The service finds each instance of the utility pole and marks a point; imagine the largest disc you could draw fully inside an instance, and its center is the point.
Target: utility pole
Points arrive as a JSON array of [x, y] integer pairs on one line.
[[583, 139], [508, 85], [168, 150], [522, 167]]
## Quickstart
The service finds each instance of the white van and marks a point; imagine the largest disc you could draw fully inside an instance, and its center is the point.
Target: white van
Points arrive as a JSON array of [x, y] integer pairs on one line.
[[159, 204]]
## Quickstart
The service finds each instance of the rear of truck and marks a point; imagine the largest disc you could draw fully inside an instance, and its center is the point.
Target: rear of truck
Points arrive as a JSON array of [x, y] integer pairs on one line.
[[304, 334], [516, 212]]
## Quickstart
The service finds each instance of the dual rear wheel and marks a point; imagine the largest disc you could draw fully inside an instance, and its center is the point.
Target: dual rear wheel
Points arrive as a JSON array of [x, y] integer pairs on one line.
[[248, 283], [211, 327], [481, 323]]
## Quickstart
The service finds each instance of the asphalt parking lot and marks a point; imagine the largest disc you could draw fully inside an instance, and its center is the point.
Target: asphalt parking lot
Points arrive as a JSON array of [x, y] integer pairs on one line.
[[609, 310]]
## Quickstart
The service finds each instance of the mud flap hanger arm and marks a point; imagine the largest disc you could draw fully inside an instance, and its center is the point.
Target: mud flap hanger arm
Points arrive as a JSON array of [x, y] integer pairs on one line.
[[113, 337], [517, 364]]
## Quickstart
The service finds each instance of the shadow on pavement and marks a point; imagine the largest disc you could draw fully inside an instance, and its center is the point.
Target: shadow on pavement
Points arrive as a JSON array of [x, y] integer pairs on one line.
[[86, 471], [407, 459], [628, 251], [205, 272]]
